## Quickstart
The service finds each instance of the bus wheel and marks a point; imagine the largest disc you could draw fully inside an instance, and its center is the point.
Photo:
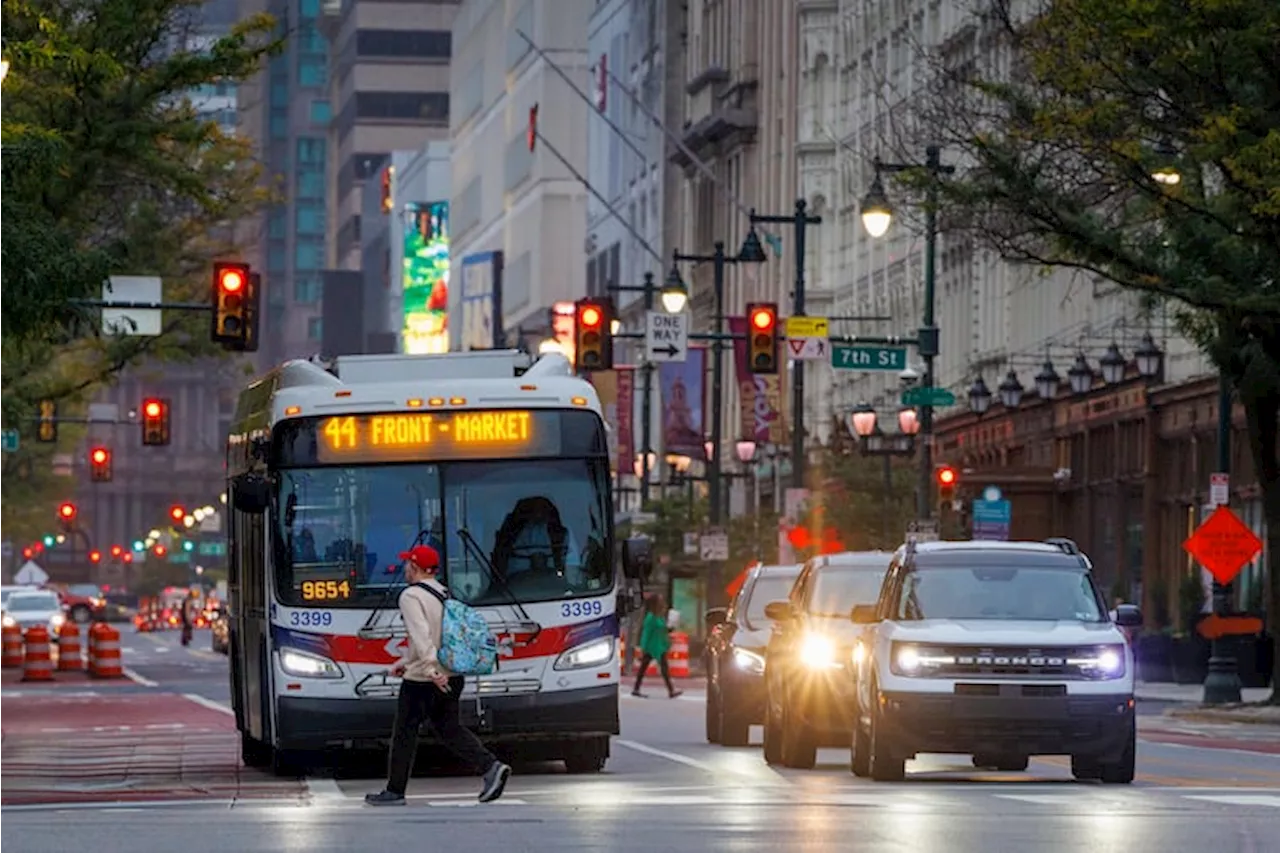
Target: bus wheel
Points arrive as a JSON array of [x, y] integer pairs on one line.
[[588, 756]]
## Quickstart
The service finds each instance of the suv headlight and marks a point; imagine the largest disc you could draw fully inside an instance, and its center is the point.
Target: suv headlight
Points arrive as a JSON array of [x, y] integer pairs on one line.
[[308, 665], [911, 660], [9, 621], [590, 654], [748, 661], [818, 651], [1101, 662]]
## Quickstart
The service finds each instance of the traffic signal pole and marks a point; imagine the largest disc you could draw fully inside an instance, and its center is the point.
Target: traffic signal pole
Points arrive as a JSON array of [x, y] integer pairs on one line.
[[1222, 681]]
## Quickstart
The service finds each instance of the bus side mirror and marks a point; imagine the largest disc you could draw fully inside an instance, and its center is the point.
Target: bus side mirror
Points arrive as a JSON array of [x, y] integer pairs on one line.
[[250, 493], [637, 558]]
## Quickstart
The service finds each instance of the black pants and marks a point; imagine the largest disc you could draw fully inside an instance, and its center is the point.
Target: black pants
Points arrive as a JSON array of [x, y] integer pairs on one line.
[[662, 667], [422, 702]]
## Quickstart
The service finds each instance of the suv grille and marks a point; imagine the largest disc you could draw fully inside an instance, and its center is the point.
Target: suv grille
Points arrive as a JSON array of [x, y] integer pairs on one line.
[[1012, 661]]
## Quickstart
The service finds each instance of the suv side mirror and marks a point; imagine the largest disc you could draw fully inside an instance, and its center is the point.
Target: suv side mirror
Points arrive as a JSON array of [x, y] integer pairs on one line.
[[864, 614], [1128, 616], [779, 611], [715, 617]]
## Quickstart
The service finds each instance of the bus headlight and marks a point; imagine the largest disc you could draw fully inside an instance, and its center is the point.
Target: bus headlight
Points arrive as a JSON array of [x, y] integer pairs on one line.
[[307, 665], [590, 654]]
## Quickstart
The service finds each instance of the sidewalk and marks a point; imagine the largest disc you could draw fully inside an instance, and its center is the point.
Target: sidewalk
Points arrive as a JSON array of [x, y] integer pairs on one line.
[[1251, 709]]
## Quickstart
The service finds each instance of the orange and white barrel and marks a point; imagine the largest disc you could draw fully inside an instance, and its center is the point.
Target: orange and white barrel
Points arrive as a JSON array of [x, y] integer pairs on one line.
[[678, 655], [37, 665], [69, 657], [104, 658], [11, 637]]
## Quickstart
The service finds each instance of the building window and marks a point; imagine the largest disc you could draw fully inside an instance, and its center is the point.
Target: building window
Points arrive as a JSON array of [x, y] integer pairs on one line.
[[311, 183], [306, 289], [276, 259], [279, 127], [309, 255], [417, 44], [310, 220], [309, 9], [315, 328], [312, 72], [421, 106], [280, 93], [276, 224], [320, 112], [310, 151]]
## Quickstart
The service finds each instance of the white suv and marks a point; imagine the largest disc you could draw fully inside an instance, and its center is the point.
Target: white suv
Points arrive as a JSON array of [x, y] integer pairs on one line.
[[999, 650]]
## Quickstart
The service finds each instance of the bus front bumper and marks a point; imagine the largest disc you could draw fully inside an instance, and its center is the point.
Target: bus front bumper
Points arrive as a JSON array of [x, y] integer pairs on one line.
[[554, 716]]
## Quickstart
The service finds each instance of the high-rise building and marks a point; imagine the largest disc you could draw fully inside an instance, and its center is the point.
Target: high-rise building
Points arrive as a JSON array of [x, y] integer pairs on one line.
[[389, 91], [285, 111], [506, 195]]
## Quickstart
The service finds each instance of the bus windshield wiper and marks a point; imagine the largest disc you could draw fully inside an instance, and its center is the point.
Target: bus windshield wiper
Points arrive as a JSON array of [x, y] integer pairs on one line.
[[473, 547]]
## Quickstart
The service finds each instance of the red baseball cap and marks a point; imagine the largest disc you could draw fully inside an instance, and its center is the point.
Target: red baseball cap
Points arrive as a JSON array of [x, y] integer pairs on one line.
[[422, 556]]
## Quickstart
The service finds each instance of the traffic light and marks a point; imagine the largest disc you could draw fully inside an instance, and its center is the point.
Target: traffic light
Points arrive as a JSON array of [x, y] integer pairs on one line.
[[67, 515], [47, 431], [155, 422], [762, 337], [176, 514], [231, 300], [947, 478], [27, 553], [48, 540], [100, 465], [95, 556], [116, 552], [188, 545], [593, 347], [532, 133], [159, 550]]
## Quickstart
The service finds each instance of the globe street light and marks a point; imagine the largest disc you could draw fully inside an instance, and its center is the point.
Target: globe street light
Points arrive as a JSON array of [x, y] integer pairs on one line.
[[908, 421], [1080, 375], [1010, 390], [877, 215], [863, 420], [1047, 381], [979, 397], [1149, 357], [746, 450], [675, 293], [1113, 364]]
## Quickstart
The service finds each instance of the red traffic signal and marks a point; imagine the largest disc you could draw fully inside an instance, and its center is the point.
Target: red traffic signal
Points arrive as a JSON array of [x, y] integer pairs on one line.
[[159, 550], [128, 557], [177, 513], [100, 465], [155, 422], [231, 279], [593, 337], [27, 553], [532, 133], [946, 477], [762, 337], [231, 303], [100, 455], [95, 556], [67, 512], [116, 551]]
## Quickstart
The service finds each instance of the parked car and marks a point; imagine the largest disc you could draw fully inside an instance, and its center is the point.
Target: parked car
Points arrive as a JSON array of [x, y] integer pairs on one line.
[[809, 692], [735, 649]]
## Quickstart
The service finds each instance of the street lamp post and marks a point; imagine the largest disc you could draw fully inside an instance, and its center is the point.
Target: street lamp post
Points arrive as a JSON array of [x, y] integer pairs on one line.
[[800, 220], [1222, 681], [649, 288], [863, 424], [877, 215]]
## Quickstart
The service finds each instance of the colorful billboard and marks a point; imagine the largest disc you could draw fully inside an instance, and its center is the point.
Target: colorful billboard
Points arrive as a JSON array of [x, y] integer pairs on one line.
[[683, 413], [480, 305], [426, 277]]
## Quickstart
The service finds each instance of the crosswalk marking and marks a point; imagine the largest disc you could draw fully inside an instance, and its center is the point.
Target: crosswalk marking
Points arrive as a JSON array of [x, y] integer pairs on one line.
[[1238, 799]]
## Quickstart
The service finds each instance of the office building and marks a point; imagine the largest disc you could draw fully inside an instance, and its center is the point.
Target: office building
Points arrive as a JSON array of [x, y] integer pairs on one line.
[[504, 196], [285, 112], [389, 91]]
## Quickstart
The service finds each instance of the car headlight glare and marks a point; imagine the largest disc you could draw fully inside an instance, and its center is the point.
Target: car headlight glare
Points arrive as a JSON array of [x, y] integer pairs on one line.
[[858, 655], [9, 621], [307, 665], [590, 654], [916, 660], [57, 619], [818, 651], [748, 661], [1102, 662]]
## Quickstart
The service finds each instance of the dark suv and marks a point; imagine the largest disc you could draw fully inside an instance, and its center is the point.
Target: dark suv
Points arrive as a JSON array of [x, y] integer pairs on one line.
[[809, 690], [735, 654]]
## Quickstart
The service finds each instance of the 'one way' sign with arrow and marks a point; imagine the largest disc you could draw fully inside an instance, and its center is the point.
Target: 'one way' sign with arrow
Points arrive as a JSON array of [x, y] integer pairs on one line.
[[666, 336]]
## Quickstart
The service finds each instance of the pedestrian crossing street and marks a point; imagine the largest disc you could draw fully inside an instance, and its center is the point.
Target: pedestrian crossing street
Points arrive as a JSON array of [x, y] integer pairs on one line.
[[1065, 799]]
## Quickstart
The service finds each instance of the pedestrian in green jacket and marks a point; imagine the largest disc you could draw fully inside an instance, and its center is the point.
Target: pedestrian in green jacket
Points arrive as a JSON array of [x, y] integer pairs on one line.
[[655, 640]]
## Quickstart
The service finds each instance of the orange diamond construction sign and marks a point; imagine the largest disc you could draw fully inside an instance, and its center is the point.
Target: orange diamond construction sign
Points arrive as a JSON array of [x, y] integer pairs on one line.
[[1223, 544]]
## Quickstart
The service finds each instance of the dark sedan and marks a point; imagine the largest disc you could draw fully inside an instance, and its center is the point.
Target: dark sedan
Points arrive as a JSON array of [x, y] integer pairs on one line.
[[735, 655]]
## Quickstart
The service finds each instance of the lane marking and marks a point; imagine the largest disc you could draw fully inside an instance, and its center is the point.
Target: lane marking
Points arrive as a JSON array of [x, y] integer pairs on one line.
[[662, 753], [208, 703], [1237, 799], [504, 801], [139, 679], [138, 805]]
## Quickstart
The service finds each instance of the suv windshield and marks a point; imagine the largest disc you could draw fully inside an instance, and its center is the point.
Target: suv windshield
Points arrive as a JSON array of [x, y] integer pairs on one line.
[[31, 602], [767, 590], [540, 523], [1025, 593], [836, 591]]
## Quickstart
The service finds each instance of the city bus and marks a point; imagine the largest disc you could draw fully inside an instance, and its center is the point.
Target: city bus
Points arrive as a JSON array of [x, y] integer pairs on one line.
[[497, 461]]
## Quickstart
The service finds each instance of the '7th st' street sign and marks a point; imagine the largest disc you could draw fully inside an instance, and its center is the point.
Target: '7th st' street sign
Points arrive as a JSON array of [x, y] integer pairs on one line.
[[868, 357]]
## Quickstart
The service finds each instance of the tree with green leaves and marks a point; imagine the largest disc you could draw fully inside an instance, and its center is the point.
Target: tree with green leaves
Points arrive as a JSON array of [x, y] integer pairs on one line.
[[109, 169], [1138, 140]]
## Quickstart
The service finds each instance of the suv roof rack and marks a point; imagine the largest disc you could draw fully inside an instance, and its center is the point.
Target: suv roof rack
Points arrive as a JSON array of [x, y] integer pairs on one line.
[[1067, 546]]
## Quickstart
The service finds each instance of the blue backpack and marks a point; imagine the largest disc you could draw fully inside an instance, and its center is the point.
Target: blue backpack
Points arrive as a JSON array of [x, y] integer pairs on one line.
[[467, 646]]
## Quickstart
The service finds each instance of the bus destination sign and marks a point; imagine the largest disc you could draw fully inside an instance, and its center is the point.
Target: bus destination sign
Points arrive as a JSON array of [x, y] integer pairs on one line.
[[407, 436]]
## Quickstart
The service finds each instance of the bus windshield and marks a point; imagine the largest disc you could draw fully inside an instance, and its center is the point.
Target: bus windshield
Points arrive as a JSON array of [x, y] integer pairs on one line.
[[539, 524]]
